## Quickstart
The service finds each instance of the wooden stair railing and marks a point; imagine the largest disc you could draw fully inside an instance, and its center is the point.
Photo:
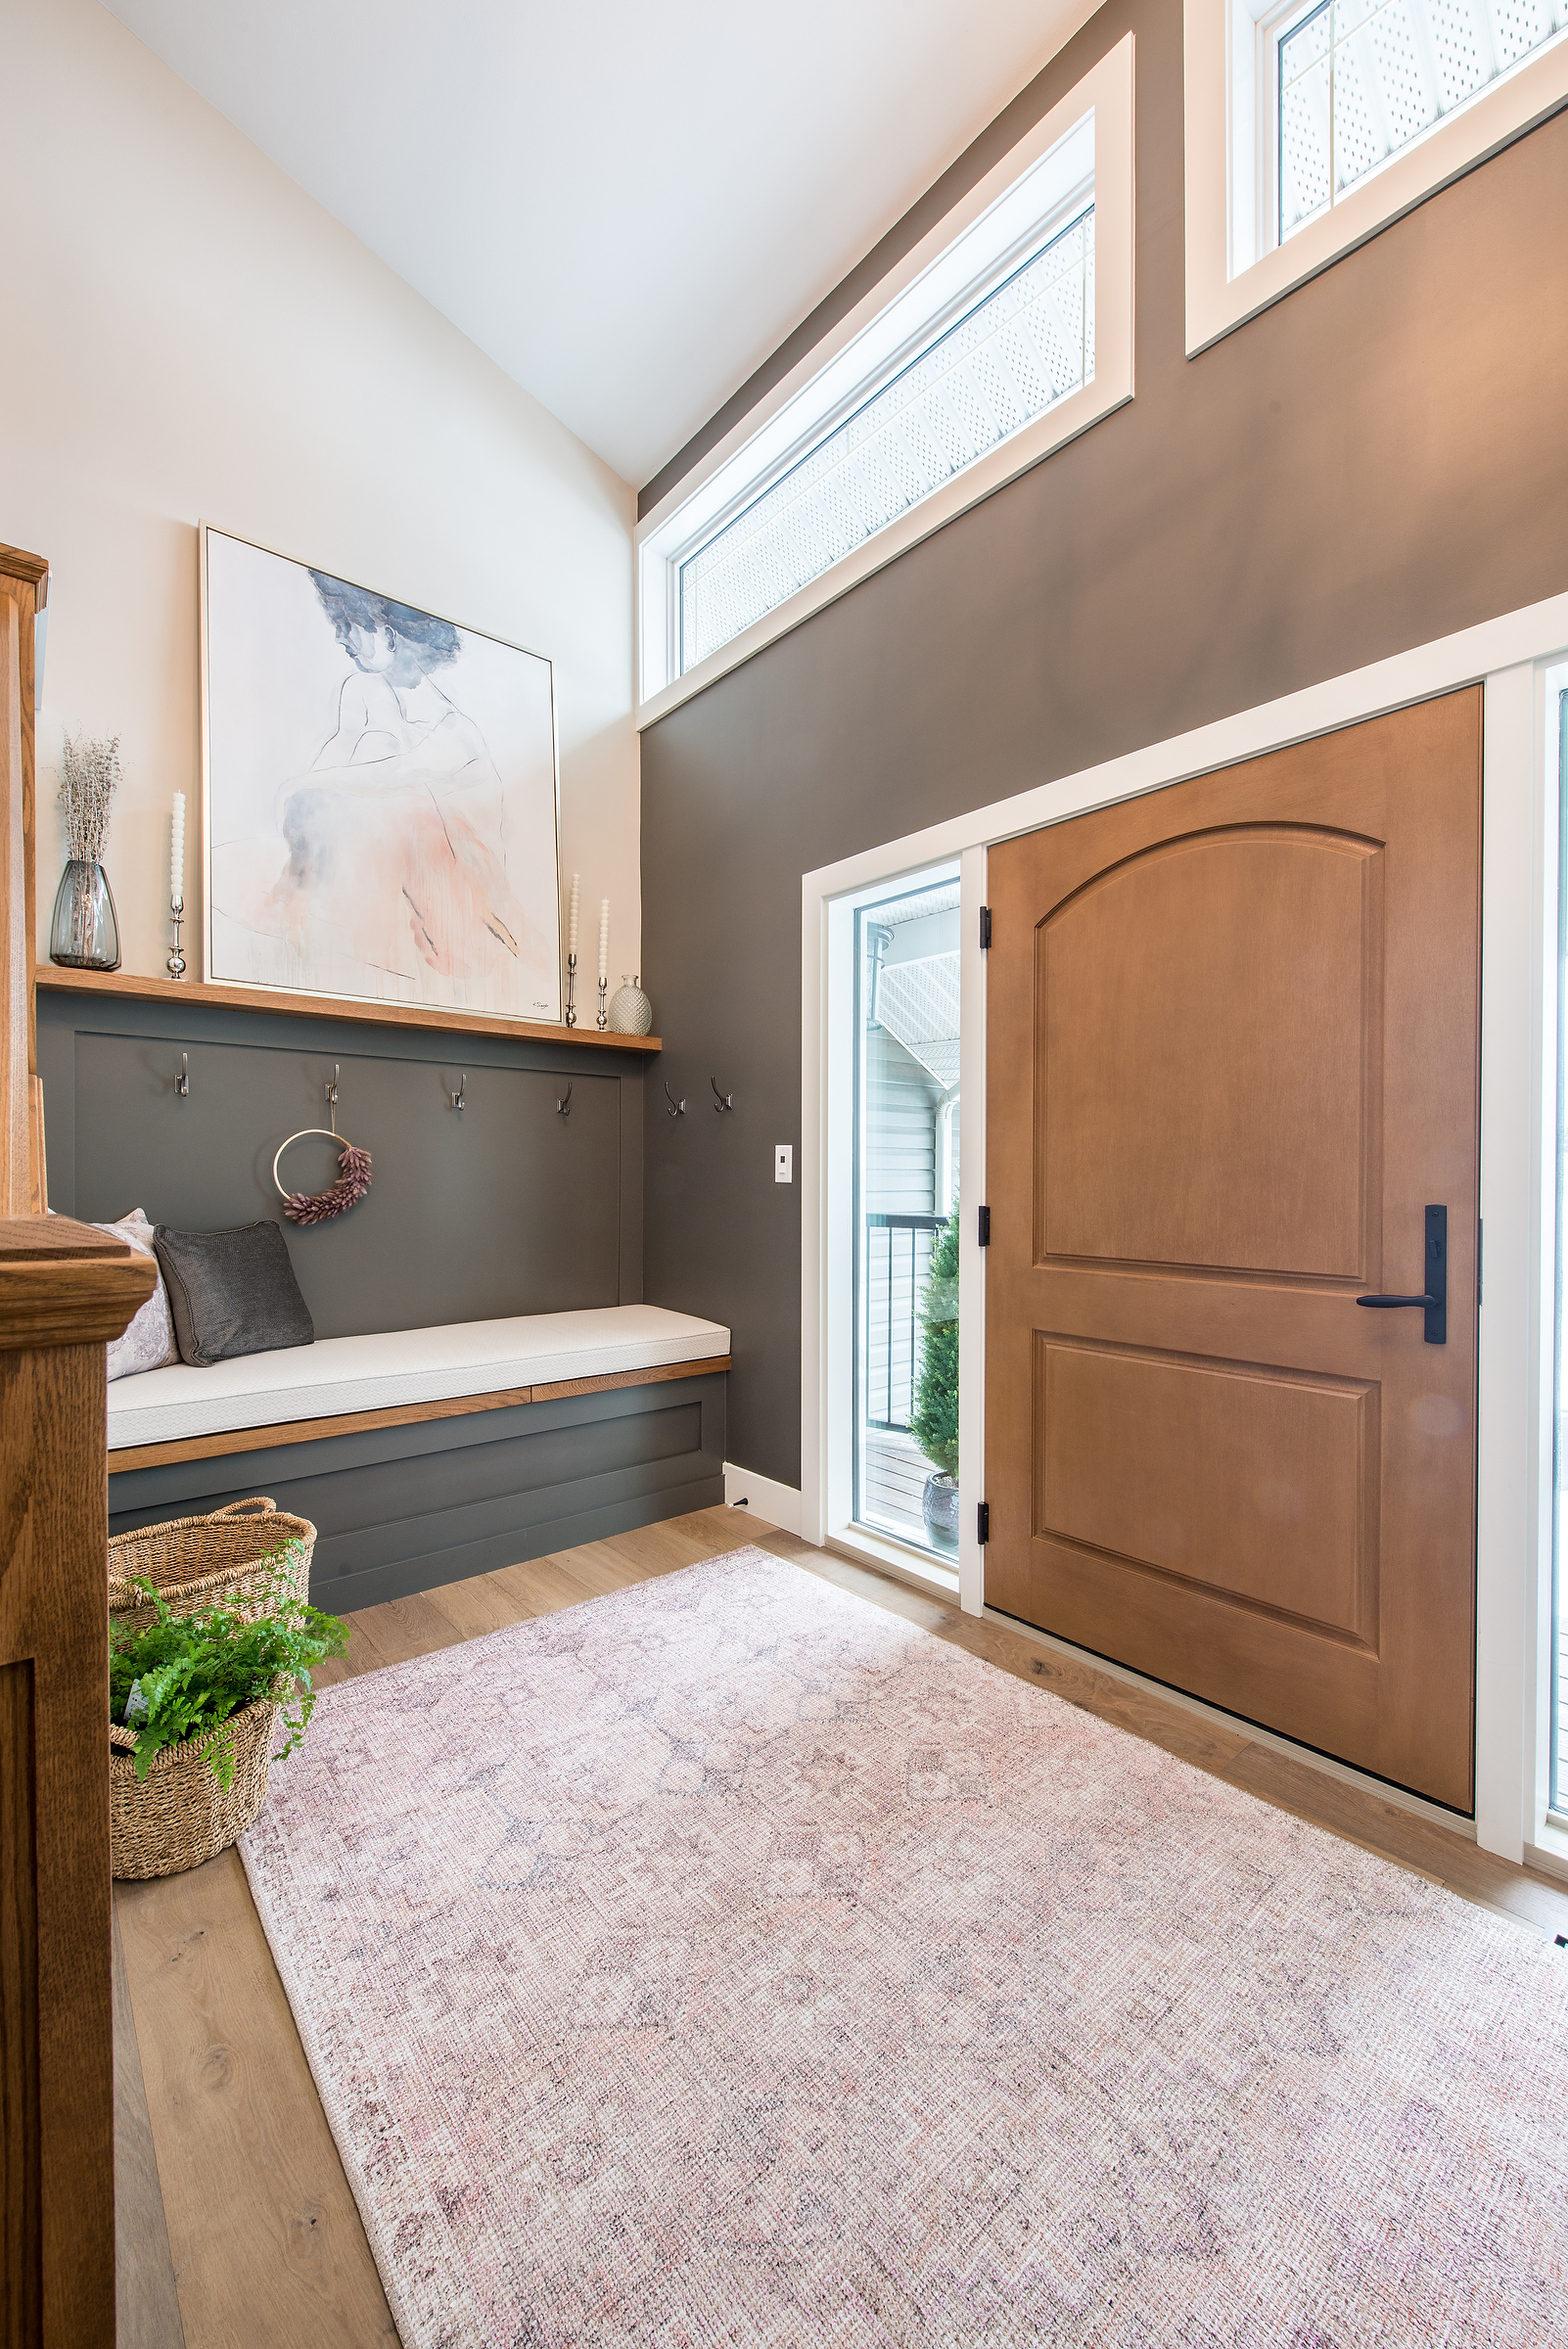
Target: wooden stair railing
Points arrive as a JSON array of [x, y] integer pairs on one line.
[[65, 1290], [23, 593]]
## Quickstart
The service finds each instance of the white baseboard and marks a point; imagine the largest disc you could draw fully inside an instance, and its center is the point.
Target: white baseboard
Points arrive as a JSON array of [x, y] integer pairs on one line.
[[774, 1504]]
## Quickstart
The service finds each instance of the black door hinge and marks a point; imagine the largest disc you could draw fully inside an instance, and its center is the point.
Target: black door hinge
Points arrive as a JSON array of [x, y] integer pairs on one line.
[[985, 927], [984, 1227], [981, 1522]]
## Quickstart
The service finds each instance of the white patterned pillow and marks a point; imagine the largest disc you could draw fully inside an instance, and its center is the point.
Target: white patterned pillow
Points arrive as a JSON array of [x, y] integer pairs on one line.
[[149, 1343]]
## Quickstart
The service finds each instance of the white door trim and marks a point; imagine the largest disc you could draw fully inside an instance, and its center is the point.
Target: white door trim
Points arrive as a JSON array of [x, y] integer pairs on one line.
[[1510, 656]]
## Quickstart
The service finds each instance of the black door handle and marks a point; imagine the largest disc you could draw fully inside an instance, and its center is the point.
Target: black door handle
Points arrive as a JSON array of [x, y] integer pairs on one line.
[[1434, 1303]]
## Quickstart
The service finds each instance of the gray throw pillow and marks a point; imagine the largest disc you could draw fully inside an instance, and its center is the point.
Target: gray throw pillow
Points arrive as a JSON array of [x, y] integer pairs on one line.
[[232, 1292]]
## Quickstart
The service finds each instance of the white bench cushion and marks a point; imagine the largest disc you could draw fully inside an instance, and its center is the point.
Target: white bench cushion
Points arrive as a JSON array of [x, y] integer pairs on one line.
[[407, 1365]]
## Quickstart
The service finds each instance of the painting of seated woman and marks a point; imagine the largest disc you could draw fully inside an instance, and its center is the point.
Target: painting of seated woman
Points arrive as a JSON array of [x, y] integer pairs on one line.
[[381, 796]]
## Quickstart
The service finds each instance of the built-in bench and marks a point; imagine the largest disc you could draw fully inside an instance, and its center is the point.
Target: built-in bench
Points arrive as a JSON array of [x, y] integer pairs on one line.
[[428, 1454]]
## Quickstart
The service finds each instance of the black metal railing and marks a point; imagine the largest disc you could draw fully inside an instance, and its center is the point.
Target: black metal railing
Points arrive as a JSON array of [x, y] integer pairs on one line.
[[898, 1256]]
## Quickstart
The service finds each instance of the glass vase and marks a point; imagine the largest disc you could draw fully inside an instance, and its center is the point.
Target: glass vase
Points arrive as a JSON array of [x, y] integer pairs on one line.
[[630, 1012], [85, 934]]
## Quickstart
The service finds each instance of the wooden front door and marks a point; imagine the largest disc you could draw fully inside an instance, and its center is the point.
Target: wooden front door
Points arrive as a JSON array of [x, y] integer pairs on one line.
[[1232, 1059]]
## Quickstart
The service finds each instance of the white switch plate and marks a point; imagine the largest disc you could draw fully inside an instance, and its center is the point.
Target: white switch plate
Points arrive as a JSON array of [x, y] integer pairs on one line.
[[783, 1162]]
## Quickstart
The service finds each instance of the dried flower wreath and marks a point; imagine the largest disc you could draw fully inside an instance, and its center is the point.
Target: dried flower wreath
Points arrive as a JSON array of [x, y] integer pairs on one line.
[[353, 1181]]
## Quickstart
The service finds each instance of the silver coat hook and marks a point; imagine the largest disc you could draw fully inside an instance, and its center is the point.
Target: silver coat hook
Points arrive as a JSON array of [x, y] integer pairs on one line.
[[460, 1097], [331, 1090], [677, 1109], [722, 1101], [564, 1103], [182, 1083]]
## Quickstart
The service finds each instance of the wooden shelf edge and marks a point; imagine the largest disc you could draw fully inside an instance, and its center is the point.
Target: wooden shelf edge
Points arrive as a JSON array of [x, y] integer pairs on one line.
[[129, 988]]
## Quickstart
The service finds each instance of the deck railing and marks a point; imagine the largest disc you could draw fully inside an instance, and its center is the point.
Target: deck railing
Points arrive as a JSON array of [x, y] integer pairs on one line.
[[898, 1258]]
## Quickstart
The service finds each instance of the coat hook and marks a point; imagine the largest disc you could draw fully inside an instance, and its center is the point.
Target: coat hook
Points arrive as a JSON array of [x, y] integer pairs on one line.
[[331, 1090], [182, 1083], [722, 1101], [564, 1105], [677, 1109], [460, 1097]]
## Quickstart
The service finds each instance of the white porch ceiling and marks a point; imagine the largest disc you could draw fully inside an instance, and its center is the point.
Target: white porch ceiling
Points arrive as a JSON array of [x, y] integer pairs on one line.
[[627, 207]]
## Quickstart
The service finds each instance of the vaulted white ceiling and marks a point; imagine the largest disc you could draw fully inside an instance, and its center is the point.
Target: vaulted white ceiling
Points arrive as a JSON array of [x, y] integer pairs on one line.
[[628, 206]]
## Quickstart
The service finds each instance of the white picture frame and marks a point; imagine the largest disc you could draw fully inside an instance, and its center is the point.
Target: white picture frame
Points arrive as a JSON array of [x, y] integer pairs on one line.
[[380, 796]]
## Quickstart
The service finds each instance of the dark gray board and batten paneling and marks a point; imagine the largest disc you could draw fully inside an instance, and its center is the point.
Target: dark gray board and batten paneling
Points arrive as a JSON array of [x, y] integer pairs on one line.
[[399, 1509], [1373, 462], [504, 1207]]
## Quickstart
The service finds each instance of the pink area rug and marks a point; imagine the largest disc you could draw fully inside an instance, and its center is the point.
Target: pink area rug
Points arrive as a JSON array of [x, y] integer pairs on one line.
[[726, 1962]]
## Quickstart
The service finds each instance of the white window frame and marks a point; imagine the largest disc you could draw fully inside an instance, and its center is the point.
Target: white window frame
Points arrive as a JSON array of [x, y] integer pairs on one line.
[[1235, 264], [873, 341], [1513, 657], [1551, 1837]]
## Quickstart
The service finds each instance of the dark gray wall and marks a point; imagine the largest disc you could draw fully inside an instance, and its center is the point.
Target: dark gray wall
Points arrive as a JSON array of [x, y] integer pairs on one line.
[[1375, 461], [504, 1208]]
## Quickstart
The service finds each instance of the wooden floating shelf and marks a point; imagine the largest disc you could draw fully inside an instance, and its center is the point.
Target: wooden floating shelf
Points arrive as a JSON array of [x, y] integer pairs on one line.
[[128, 987]]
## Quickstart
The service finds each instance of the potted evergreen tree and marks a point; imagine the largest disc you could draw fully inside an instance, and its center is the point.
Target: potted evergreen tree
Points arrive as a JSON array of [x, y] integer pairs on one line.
[[933, 1422]]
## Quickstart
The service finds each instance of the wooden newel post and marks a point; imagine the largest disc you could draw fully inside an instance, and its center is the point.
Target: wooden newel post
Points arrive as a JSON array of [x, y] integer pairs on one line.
[[65, 1290]]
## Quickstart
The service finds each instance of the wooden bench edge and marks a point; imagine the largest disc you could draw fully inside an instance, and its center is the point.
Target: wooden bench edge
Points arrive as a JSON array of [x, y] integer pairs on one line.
[[403, 1415]]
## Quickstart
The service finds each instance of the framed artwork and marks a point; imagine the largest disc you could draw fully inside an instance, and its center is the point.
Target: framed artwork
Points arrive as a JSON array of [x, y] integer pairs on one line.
[[379, 795]]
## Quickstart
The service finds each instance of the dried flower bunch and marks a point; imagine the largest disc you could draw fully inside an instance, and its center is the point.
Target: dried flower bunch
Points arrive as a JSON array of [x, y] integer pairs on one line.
[[89, 774]]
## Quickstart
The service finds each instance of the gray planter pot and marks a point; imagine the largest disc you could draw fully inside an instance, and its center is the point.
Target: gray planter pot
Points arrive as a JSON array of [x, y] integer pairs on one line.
[[939, 1505]]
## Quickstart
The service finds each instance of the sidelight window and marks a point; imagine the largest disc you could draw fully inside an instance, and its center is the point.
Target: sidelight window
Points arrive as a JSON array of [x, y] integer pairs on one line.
[[905, 1214]]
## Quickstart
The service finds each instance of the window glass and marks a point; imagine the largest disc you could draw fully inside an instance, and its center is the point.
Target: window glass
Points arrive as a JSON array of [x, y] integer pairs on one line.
[[906, 1208], [1358, 80], [1027, 345]]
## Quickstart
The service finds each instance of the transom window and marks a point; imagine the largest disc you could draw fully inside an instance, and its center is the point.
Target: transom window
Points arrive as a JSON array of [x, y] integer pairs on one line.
[[1312, 125], [1356, 81], [1025, 346], [1002, 334]]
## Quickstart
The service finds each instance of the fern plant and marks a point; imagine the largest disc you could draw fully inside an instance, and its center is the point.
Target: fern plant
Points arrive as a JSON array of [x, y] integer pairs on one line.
[[933, 1422], [183, 1676]]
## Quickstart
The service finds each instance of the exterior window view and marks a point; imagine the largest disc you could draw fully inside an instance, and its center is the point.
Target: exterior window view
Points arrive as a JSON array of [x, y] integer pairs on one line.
[[1360, 83], [906, 1216], [1029, 344]]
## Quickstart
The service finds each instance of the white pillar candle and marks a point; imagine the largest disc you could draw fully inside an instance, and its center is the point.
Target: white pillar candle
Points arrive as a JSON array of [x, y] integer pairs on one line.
[[176, 851], [604, 939], [572, 917]]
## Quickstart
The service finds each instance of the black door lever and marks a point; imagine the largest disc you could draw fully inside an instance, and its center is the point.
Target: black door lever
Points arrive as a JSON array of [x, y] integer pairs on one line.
[[1435, 1302]]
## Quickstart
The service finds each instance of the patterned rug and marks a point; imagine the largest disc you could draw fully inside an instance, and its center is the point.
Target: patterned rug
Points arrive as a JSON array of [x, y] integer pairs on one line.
[[728, 1962]]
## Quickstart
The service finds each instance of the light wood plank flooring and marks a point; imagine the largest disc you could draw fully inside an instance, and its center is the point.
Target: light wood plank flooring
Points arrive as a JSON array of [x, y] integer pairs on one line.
[[222, 2138]]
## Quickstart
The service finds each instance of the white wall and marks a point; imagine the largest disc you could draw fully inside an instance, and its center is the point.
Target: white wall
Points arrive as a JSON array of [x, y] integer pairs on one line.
[[190, 338]]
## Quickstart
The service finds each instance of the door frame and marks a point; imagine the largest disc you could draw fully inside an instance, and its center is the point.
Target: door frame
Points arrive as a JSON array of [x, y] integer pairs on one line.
[[1514, 658]]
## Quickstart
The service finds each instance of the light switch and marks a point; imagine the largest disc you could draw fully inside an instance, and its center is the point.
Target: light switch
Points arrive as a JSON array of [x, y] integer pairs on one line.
[[783, 1162]]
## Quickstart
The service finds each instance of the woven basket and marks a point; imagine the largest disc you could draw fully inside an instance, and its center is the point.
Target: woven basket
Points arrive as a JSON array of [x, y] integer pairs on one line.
[[179, 1814], [201, 1562]]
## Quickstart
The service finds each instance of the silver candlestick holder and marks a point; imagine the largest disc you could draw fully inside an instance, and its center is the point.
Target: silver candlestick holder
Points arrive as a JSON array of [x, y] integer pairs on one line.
[[604, 1015], [572, 990], [176, 960]]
